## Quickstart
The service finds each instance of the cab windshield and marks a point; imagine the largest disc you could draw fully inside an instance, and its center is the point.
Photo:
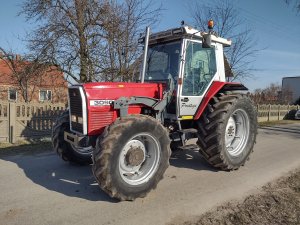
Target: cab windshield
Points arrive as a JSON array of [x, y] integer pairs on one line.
[[163, 61]]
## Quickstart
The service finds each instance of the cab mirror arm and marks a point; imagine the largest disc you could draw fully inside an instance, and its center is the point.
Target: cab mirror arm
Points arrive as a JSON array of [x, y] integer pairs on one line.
[[206, 42]]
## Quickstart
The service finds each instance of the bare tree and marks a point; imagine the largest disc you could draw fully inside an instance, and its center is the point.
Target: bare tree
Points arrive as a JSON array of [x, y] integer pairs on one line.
[[24, 72], [66, 29], [272, 94], [89, 39], [229, 24], [286, 96], [121, 34], [294, 3]]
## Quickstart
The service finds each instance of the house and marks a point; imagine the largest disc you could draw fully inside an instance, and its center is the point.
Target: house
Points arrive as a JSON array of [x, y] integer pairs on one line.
[[26, 82]]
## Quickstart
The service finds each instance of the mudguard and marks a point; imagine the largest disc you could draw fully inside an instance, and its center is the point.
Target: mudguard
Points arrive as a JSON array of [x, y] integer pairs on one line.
[[215, 88]]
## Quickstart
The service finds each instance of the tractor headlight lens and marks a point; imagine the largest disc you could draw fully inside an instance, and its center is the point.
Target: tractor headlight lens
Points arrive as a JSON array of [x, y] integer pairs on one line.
[[73, 118], [76, 119], [80, 120]]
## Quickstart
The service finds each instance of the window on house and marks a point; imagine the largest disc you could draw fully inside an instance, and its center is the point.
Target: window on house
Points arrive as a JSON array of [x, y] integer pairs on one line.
[[12, 94], [45, 95]]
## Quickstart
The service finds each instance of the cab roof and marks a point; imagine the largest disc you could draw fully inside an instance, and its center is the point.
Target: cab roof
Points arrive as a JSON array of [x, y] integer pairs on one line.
[[185, 32]]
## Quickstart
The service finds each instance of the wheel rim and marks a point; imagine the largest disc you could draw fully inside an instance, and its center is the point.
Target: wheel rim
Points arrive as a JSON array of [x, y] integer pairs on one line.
[[139, 159], [83, 150], [237, 132]]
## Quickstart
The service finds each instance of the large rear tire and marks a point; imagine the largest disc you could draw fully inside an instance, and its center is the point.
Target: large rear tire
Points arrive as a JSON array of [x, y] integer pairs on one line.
[[227, 130], [68, 152], [131, 157]]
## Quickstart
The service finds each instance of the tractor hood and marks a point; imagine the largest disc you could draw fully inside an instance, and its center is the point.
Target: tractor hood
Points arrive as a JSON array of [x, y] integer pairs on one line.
[[91, 104], [115, 90]]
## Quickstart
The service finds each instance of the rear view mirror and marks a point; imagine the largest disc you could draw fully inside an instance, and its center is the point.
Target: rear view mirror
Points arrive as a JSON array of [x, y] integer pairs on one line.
[[206, 42]]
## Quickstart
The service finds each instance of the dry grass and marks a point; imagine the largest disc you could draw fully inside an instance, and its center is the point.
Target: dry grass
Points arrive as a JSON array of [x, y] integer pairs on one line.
[[277, 204], [279, 122]]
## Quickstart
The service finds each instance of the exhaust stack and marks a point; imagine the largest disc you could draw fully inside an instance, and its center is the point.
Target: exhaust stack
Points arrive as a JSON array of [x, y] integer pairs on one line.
[[145, 54]]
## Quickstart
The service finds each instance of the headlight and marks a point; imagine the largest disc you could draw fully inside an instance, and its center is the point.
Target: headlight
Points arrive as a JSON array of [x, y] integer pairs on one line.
[[80, 120], [76, 119], [73, 118]]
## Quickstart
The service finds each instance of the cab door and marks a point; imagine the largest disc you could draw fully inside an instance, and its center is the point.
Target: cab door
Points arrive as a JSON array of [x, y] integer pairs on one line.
[[198, 70]]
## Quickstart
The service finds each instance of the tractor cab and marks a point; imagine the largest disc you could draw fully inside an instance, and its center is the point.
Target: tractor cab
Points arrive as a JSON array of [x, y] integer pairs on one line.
[[184, 57]]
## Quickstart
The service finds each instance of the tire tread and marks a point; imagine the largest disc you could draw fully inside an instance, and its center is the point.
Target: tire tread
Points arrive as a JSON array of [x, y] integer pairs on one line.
[[210, 130], [104, 150]]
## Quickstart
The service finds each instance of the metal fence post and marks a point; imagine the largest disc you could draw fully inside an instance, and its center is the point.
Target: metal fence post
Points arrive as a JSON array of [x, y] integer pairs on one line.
[[12, 122]]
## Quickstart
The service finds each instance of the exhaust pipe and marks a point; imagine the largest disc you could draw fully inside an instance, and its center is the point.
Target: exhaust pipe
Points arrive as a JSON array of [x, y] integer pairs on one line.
[[145, 54]]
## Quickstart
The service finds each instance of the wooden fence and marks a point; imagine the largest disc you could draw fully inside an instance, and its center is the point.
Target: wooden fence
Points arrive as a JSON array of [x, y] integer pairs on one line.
[[27, 121]]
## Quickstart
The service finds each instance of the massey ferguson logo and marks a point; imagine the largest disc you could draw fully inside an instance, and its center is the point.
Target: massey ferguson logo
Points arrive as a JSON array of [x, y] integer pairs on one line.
[[101, 102]]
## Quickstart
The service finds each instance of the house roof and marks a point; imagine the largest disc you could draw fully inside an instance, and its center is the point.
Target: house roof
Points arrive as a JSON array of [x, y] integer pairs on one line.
[[5, 78], [52, 76]]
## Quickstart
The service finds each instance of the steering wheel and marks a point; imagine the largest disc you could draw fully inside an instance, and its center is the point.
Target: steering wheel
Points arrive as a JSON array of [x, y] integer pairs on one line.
[[207, 77], [187, 86]]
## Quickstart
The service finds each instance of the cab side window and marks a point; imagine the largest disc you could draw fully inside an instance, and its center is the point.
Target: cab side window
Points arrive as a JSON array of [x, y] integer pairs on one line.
[[199, 70]]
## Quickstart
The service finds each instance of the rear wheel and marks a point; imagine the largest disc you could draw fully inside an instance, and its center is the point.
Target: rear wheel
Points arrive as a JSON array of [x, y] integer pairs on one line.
[[131, 157], [227, 130], [68, 152]]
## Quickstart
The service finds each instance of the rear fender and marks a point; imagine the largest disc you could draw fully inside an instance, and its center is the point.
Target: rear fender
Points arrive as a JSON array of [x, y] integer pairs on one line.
[[215, 88]]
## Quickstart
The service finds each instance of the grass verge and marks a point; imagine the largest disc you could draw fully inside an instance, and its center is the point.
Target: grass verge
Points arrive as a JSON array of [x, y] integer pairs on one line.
[[277, 204], [278, 122]]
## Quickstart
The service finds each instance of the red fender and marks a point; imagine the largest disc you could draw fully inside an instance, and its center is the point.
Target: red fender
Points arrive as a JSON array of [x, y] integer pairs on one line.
[[213, 90]]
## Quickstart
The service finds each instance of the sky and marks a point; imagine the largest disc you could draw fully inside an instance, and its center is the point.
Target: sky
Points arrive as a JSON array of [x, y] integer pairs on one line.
[[276, 27]]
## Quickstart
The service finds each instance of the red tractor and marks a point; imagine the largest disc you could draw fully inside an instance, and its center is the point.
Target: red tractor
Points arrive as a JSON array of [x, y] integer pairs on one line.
[[127, 130]]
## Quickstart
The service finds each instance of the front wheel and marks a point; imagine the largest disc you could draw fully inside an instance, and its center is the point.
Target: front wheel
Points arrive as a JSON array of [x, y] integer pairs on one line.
[[68, 152], [131, 157], [227, 130]]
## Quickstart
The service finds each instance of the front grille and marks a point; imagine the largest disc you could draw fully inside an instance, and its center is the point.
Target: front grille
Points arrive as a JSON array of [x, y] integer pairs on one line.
[[75, 101], [99, 120]]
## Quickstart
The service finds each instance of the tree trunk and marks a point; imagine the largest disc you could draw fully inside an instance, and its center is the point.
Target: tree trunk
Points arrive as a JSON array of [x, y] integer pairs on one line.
[[80, 6]]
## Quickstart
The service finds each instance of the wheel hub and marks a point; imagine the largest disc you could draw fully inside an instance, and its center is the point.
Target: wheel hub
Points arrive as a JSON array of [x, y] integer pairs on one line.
[[230, 131], [135, 156], [237, 132], [139, 159]]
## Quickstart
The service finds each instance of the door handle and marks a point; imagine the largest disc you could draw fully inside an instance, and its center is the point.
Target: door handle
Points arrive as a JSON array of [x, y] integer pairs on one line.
[[185, 99]]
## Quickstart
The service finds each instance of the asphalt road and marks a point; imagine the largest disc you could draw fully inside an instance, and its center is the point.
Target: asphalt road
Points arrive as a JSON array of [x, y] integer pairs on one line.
[[42, 189]]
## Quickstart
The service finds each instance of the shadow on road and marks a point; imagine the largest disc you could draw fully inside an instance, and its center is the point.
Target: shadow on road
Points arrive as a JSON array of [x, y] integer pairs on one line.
[[191, 159], [280, 130], [49, 171]]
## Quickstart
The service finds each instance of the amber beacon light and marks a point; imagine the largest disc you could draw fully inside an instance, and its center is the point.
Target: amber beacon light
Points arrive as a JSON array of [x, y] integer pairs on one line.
[[210, 24]]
